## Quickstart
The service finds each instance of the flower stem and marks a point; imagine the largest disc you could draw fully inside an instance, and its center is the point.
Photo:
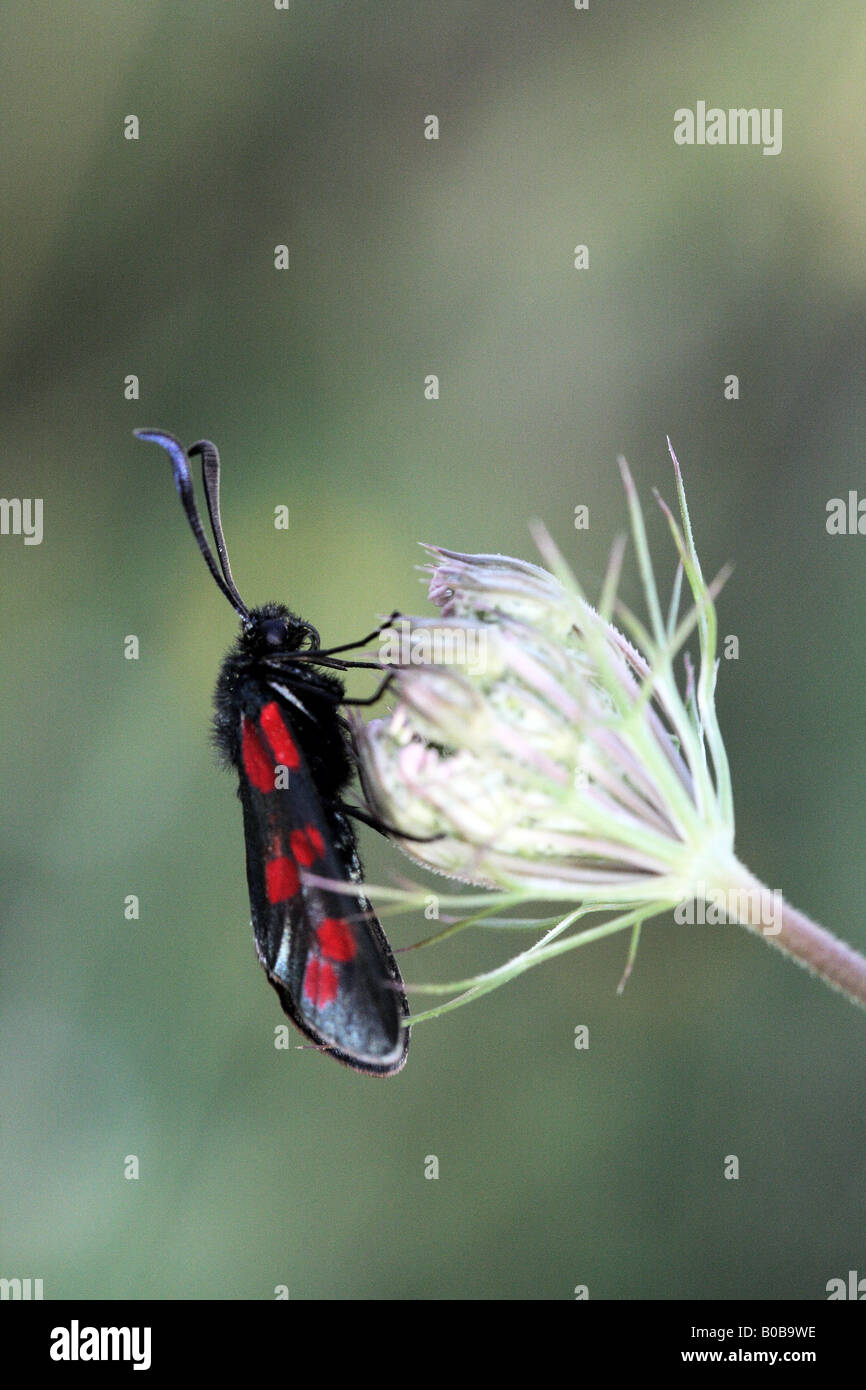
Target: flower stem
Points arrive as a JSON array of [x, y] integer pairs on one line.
[[825, 955]]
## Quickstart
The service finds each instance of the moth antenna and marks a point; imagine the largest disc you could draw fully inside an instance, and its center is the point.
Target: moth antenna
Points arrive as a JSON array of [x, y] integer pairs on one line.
[[210, 472], [183, 483]]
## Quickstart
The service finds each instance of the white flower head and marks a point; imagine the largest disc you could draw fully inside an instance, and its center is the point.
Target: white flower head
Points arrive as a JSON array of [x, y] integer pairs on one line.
[[537, 751], [543, 751]]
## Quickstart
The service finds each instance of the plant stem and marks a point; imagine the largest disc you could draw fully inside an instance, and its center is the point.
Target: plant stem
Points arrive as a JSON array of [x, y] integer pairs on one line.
[[781, 925]]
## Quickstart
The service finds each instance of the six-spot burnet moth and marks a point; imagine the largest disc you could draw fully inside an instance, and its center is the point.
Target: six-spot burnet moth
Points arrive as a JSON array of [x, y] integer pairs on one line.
[[278, 722]]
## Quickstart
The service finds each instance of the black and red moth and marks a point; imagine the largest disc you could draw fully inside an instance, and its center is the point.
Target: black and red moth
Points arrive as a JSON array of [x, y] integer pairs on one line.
[[278, 722]]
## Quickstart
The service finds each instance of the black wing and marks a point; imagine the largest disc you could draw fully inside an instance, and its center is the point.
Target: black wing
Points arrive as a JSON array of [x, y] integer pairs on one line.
[[323, 949]]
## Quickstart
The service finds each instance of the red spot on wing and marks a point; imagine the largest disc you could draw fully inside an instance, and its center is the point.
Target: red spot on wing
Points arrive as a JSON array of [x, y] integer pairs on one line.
[[307, 845], [282, 879], [257, 764], [320, 982], [278, 736], [336, 939]]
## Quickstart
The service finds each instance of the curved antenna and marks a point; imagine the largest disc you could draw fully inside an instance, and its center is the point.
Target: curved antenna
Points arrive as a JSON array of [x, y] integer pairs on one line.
[[183, 483], [210, 472]]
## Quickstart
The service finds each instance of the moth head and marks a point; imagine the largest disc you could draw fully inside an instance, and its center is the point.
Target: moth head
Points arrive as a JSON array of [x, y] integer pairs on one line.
[[272, 629]]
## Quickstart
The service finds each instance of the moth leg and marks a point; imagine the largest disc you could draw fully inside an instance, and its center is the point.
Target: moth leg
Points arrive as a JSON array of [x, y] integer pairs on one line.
[[377, 694], [383, 828], [361, 642], [333, 663]]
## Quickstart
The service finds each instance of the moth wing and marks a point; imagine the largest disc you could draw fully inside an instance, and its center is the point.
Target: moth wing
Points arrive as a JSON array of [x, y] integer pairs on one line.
[[323, 949]]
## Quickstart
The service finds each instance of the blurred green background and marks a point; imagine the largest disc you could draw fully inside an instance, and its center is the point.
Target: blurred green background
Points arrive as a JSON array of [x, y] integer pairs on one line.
[[409, 257]]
